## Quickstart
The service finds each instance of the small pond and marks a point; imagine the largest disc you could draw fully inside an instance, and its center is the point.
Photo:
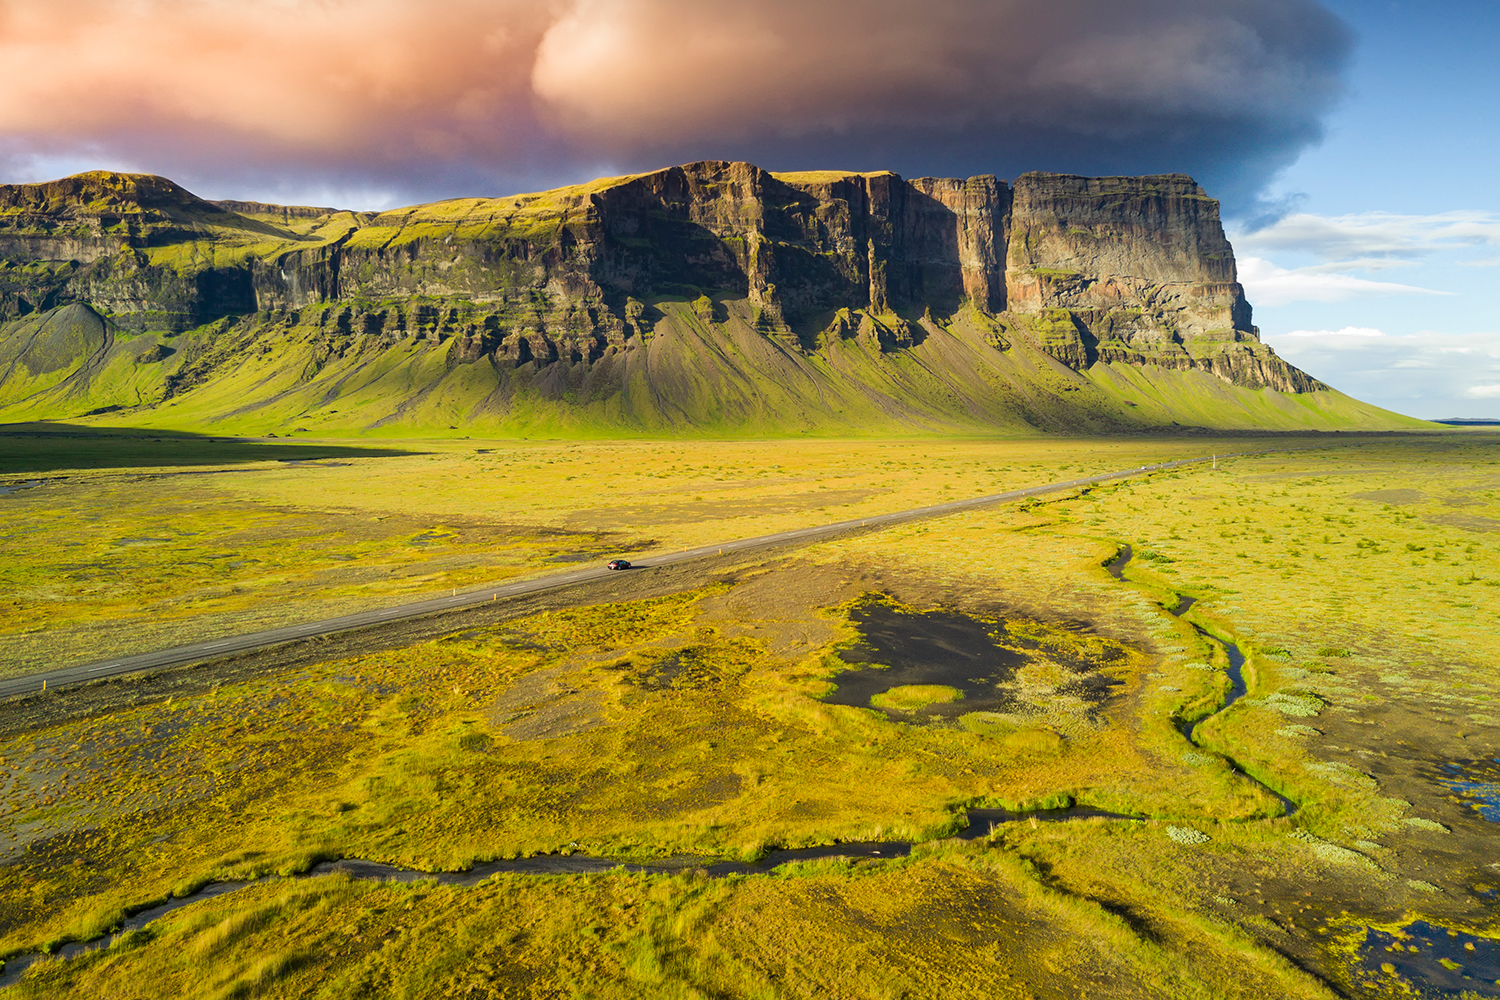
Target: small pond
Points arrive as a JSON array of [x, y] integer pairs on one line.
[[1477, 783], [1434, 958], [996, 666]]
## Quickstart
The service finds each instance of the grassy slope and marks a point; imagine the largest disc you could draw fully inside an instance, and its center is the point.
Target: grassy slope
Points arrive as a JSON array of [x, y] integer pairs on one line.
[[1199, 399], [693, 377], [257, 375], [524, 216]]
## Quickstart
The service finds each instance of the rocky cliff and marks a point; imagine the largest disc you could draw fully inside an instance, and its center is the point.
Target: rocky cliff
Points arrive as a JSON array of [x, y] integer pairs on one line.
[[1135, 269], [1088, 271]]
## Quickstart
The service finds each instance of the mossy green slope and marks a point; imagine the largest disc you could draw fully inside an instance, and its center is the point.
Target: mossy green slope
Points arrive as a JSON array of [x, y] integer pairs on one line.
[[712, 299], [699, 375]]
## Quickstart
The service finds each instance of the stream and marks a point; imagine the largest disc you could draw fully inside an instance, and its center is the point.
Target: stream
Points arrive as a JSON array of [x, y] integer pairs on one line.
[[981, 822], [1236, 673]]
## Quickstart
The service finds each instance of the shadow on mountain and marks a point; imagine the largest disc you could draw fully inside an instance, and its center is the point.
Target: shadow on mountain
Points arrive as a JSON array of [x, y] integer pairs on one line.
[[46, 447]]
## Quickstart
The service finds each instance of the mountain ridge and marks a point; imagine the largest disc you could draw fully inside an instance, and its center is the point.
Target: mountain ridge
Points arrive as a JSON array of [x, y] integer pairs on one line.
[[687, 298]]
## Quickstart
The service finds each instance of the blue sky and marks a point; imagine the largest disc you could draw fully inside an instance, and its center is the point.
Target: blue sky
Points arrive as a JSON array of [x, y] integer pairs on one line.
[[1382, 280]]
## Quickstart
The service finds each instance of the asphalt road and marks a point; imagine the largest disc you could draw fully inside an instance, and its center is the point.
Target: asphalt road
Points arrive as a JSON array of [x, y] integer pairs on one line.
[[201, 652]]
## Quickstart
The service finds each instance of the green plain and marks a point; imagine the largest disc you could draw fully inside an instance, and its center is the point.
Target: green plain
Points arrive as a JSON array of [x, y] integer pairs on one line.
[[1360, 577]]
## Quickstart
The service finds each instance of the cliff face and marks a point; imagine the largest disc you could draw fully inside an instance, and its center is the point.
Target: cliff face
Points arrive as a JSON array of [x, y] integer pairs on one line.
[[1088, 270], [108, 240], [1135, 269]]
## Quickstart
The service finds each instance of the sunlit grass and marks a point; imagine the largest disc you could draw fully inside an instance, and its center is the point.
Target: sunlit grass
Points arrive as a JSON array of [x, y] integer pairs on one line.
[[108, 562], [692, 724]]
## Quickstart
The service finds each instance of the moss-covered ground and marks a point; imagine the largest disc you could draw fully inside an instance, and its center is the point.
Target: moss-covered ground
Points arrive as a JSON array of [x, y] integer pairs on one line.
[[100, 561], [1359, 580]]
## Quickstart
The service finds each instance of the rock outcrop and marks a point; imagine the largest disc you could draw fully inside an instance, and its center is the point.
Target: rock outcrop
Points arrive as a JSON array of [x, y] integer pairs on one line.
[[1135, 269], [137, 247], [1089, 270]]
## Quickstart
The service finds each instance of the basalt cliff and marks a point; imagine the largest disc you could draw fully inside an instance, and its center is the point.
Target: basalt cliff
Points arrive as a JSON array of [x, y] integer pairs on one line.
[[713, 296]]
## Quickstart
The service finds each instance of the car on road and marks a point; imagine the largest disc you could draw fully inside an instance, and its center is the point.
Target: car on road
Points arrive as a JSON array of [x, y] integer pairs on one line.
[[618, 564]]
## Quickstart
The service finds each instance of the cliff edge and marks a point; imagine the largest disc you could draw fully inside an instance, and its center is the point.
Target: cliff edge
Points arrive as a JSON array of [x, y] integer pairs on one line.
[[1090, 273]]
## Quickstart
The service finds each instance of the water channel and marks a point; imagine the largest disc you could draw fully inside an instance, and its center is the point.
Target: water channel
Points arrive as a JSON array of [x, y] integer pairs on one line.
[[1234, 656], [980, 823]]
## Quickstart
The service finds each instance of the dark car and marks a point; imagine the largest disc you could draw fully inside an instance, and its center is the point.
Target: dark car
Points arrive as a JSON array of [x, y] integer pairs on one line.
[[618, 564]]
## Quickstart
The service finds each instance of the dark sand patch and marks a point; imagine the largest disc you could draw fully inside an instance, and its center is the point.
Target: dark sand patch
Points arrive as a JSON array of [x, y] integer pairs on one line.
[[1395, 498], [983, 659], [1464, 522]]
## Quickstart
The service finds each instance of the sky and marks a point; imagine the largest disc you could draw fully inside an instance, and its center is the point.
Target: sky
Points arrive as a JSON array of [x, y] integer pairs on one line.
[[1382, 277], [1350, 142]]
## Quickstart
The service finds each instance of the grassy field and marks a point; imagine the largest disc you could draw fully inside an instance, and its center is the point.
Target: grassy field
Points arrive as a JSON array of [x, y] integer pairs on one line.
[[1362, 580], [99, 562]]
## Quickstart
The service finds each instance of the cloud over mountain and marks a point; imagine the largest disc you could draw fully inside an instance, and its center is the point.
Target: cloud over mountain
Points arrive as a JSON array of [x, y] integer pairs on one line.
[[488, 95], [1269, 285]]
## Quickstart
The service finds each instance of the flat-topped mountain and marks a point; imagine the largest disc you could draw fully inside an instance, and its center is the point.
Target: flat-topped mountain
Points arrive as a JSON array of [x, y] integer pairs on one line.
[[713, 297]]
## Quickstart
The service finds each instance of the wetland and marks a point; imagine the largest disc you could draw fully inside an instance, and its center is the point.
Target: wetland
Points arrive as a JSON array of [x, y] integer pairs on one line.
[[1217, 732]]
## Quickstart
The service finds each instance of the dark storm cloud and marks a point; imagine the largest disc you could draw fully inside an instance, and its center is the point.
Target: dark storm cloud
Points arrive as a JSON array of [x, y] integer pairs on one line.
[[470, 96]]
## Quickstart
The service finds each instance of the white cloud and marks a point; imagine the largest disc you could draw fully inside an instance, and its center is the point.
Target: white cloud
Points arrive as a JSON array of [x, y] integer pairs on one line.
[[1348, 331], [1373, 234], [1361, 264], [1269, 285], [1362, 345], [1427, 374]]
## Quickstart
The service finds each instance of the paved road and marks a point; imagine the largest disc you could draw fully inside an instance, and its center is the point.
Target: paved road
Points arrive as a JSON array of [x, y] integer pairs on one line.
[[200, 652]]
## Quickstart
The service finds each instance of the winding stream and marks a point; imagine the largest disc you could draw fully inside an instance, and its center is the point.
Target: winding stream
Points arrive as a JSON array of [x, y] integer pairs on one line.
[[981, 822], [1236, 673]]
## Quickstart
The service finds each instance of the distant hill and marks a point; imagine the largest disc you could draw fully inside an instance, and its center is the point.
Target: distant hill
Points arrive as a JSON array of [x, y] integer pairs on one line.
[[711, 298]]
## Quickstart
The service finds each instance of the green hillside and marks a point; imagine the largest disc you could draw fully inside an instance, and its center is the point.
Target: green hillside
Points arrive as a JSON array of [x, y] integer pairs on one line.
[[709, 375], [712, 299]]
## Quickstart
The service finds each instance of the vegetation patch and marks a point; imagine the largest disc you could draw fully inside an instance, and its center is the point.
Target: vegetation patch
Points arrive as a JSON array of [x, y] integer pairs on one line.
[[910, 697]]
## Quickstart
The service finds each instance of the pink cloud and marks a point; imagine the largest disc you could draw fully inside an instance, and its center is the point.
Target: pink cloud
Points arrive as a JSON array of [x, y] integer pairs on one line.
[[418, 92], [289, 77]]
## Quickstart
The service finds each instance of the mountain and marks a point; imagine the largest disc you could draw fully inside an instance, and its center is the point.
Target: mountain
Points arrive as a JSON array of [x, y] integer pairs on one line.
[[713, 298]]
